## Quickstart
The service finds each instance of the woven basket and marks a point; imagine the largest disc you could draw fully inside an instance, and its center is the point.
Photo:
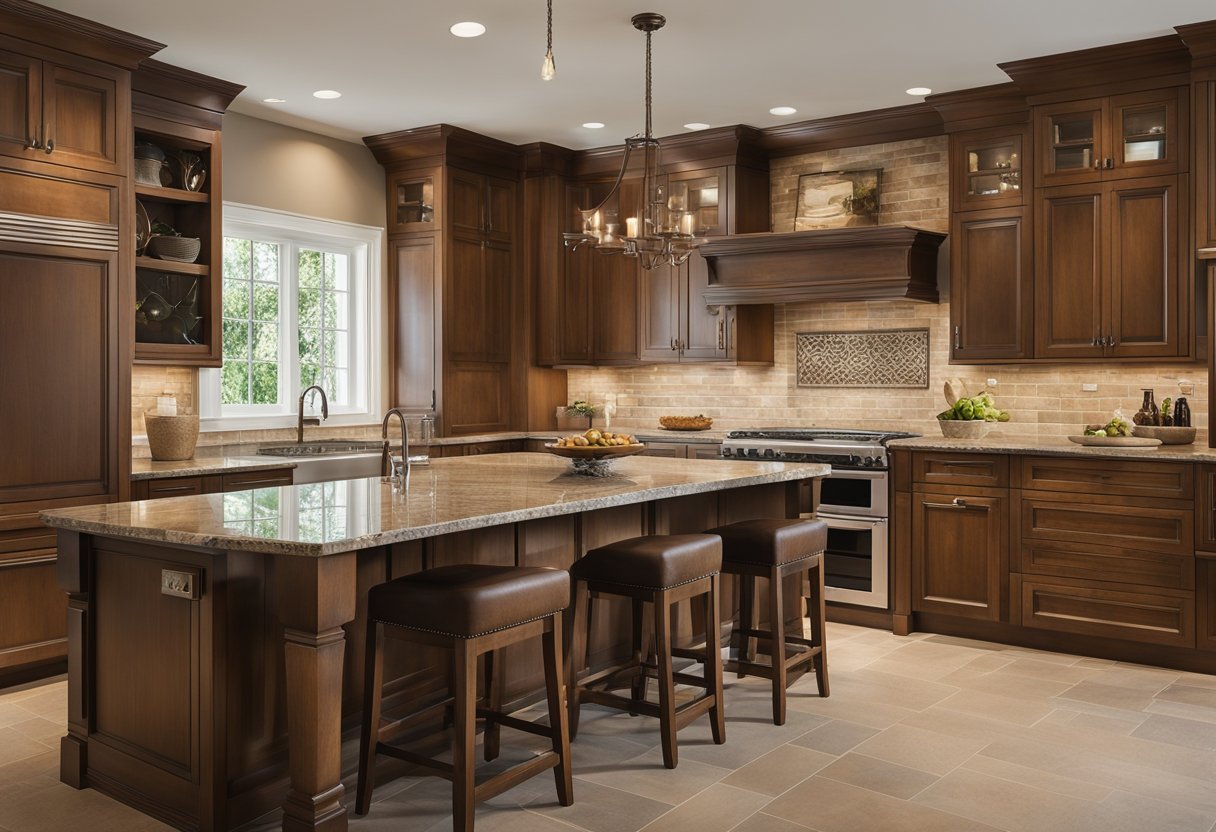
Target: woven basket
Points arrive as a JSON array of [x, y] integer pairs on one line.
[[179, 249], [171, 437], [955, 429], [147, 171]]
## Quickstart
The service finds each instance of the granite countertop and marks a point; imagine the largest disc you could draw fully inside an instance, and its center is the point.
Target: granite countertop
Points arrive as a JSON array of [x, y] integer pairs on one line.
[[1057, 446], [149, 469], [449, 495]]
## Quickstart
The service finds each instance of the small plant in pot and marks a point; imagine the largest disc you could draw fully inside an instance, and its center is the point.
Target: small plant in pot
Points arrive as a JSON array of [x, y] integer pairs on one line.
[[580, 409], [968, 417]]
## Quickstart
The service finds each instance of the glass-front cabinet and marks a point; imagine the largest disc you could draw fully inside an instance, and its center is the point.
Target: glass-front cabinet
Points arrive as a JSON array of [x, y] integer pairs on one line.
[[1120, 137], [414, 199], [699, 196], [987, 169]]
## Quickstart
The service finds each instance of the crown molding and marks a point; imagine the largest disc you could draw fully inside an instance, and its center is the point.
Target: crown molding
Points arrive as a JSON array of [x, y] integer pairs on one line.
[[1135, 65], [998, 105], [51, 27]]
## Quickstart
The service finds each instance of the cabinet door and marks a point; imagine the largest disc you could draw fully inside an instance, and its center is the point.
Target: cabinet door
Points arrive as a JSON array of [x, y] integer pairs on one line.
[[1148, 137], [1205, 600], [500, 209], [467, 334], [702, 328], [614, 309], [660, 318], [1070, 256], [415, 200], [33, 610], [466, 202], [1070, 142], [413, 300], [991, 285], [81, 115], [959, 553], [676, 450], [20, 105], [1204, 102], [702, 194], [498, 266], [1145, 291], [986, 169], [59, 335]]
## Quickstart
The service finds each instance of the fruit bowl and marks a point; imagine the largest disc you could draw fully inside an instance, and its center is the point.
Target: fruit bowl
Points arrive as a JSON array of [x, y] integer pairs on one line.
[[1171, 435], [686, 422], [593, 460], [963, 429]]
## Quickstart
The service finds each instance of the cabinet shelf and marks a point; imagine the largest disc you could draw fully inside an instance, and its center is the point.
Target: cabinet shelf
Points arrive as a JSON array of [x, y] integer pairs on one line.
[[1074, 143], [993, 171], [172, 266], [172, 194]]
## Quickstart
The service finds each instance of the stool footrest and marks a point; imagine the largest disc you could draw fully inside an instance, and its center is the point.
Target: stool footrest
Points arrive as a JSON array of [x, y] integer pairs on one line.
[[685, 713], [515, 775], [514, 722], [441, 769]]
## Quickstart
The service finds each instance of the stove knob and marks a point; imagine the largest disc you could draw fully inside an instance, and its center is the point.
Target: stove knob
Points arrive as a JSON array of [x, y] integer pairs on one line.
[[768, 453], [753, 452], [727, 452]]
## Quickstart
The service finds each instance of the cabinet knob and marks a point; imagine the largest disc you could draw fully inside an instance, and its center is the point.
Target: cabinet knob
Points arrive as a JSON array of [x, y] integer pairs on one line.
[[1110, 163], [721, 333], [960, 502], [673, 343], [1096, 342], [956, 338], [35, 143], [50, 145]]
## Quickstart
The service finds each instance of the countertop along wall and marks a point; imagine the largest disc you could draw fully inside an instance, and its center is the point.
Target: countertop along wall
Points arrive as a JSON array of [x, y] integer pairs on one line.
[[273, 166], [1043, 400]]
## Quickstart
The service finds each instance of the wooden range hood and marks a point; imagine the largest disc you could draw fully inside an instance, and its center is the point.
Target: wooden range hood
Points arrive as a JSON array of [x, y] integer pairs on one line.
[[882, 262]]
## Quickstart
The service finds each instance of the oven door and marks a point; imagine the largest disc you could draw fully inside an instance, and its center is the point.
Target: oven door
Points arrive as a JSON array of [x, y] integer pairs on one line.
[[855, 561], [849, 493]]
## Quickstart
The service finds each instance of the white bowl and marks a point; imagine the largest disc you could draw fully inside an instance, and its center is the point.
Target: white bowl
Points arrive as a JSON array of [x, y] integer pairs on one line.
[[1168, 435], [960, 429]]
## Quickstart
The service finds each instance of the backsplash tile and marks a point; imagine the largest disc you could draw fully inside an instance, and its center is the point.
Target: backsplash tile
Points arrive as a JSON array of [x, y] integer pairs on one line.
[[878, 358]]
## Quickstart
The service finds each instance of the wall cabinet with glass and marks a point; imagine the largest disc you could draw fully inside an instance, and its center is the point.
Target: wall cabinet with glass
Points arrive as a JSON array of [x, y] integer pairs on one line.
[[178, 223], [987, 168], [1118, 137]]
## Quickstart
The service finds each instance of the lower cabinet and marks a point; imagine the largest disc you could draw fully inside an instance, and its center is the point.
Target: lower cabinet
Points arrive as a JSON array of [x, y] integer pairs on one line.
[[209, 483], [959, 552], [1205, 596], [1109, 610], [478, 448], [684, 450]]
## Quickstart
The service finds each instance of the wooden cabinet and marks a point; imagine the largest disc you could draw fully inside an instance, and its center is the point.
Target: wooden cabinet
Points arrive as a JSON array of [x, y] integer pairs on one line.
[[987, 169], [1204, 131], [684, 450], [1205, 612], [482, 205], [62, 109], [154, 489], [959, 552], [1115, 611], [1118, 137], [991, 285], [499, 446], [1107, 275]]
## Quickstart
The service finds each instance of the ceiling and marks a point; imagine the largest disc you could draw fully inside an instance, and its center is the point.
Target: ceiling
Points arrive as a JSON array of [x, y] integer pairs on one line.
[[717, 61]]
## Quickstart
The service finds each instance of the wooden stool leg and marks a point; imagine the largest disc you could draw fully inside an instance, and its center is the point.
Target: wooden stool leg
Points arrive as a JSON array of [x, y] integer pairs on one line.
[[554, 690], [640, 650], [713, 661], [464, 663], [369, 734], [819, 620], [747, 621], [776, 614], [667, 692], [577, 649], [493, 732]]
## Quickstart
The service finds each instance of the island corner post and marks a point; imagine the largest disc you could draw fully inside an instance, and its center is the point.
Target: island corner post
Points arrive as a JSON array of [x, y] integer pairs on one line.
[[210, 685]]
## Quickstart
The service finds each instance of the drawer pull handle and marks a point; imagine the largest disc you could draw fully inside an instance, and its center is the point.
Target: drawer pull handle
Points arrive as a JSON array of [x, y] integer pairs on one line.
[[961, 463], [178, 584], [957, 502], [259, 483], [166, 489]]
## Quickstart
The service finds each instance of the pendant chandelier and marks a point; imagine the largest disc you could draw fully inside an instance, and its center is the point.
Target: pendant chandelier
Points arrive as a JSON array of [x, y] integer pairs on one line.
[[638, 218]]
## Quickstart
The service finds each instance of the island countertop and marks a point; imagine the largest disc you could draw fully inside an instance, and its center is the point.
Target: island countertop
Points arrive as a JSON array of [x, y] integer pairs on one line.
[[449, 495]]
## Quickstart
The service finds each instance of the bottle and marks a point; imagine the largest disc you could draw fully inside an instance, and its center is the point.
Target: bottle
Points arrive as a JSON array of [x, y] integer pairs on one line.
[[1182, 413], [1148, 413]]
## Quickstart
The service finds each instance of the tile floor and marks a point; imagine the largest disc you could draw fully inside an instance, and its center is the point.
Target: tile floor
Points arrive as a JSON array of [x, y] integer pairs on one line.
[[920, 733]]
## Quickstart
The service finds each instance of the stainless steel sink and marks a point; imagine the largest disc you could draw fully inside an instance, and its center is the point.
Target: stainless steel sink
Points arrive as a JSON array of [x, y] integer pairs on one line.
[[330, 460]]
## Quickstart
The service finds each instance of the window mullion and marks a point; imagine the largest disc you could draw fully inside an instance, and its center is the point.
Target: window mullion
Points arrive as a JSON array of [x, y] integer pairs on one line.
[[289, 339]]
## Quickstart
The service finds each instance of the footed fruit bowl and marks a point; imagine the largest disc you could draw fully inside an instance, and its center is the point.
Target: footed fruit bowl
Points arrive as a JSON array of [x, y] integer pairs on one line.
[[593, 460]]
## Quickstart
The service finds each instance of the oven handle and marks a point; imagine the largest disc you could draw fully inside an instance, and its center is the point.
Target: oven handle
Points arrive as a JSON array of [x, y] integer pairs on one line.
[[857, 474], [838, 521]]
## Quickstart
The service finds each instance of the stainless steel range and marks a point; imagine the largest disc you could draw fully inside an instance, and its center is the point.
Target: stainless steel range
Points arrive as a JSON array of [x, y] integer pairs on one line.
[[852, 501]]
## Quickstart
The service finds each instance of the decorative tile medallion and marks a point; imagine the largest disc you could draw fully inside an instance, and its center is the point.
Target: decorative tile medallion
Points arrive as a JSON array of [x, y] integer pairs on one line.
[[871, 358]]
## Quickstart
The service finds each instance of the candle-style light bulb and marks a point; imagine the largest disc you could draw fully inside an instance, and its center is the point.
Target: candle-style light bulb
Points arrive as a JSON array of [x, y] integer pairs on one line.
[[548, 70]]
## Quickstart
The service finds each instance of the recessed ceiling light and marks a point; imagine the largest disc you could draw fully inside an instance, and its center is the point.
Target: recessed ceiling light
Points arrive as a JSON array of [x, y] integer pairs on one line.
[[274, 100], [468, 29], [783, 111], [327, 94], [593, 125], [696, 125], [918, 90]]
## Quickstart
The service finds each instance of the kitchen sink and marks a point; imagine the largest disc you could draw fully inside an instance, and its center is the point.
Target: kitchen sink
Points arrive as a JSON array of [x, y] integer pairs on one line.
[[329, 460]]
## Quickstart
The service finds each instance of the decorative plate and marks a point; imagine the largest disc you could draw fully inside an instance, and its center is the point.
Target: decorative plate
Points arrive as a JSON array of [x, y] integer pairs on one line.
[[1115, 441]]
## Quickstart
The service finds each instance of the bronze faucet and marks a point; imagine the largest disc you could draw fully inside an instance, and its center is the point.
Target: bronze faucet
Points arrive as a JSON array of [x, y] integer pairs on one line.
[[312, 420], [390, 468]]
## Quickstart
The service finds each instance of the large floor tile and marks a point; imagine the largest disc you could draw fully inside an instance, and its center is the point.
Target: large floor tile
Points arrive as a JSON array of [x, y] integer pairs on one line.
[[917, 748], [1005, 804], [717, 809], [836, 737], [1185, 732], [779, 770], [878, 775], [1119, 697], [832, 806], [645, 775], [995, 706], [762, 822], [1037, 778], [602, 809]]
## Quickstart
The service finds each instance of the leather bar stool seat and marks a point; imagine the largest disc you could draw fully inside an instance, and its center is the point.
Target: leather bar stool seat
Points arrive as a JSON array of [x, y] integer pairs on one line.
[[774, 549], [661, 570], [473, 610]]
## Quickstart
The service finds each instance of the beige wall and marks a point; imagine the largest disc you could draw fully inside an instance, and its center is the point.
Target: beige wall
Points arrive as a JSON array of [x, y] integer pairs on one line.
[[270, 165], [1045, 400]]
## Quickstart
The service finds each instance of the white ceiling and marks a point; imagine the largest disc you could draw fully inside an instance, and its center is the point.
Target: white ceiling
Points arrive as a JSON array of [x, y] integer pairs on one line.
[[717, 61]]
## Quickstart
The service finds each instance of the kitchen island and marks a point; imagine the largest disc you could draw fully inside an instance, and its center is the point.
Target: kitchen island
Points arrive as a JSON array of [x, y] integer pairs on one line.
[[216, 641]]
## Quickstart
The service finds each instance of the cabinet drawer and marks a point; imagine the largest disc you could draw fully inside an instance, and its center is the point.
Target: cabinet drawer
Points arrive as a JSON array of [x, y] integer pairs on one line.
[[501, 447], [1205, 507], [1117, 522], [990, 470], [33, 613], [175, 487], [1108, 477], [1107, 563], [257, 479], [1205, 599], [21, 544], [1093, 608]]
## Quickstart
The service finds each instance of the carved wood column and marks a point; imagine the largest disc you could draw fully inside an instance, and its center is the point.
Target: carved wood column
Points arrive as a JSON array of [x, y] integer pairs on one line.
[[317, 595]]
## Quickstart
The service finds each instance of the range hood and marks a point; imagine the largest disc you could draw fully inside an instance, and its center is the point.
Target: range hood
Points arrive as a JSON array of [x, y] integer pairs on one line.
[[881, 262]]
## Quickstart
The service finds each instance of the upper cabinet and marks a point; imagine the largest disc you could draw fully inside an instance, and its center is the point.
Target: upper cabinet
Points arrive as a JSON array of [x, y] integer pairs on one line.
[[1118, 137], [62, 109], [986, 168]]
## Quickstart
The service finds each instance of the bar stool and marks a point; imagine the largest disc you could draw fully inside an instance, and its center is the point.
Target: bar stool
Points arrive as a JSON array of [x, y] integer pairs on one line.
[[773, 549], [661, 569], [472, 610]]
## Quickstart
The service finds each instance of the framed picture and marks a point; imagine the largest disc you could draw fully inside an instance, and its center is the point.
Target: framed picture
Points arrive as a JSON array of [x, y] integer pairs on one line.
[[837, 199]]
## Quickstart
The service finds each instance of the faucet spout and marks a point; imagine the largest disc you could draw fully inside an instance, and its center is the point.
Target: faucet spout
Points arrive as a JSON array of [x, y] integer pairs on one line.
[[301, 421], [391, 468]]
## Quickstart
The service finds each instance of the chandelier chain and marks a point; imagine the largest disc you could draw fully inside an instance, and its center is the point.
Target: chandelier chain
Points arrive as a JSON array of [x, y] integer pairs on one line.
[[549, 28], [649, 134]]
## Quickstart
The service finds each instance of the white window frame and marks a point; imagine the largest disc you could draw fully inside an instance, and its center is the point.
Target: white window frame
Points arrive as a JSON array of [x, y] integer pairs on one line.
[[362, 244]]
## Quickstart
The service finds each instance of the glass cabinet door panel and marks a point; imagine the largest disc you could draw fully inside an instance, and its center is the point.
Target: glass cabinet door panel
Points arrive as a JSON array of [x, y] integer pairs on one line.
[[1144, 134], [415, 201], [994, 169], [697, 199], [1073, 142], [987, 169]]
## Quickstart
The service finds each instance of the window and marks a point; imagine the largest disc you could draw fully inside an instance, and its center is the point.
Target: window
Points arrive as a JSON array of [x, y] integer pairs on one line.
[[300, 307]]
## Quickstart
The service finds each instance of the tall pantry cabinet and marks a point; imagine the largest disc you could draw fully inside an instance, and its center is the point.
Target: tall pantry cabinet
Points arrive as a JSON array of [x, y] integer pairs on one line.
[[65, 302]]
